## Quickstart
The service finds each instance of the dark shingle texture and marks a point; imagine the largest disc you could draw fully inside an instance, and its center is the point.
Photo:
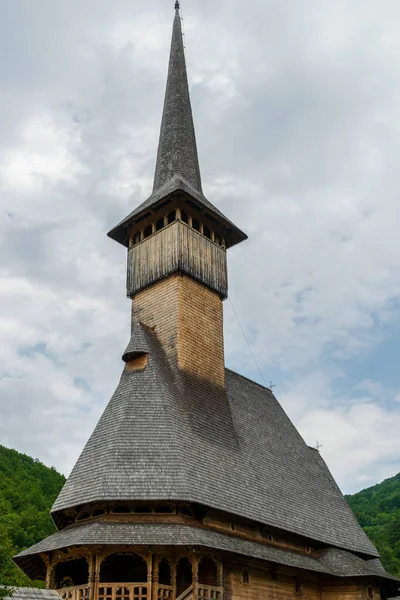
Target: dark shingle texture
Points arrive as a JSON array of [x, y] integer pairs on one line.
[[169, 437], [332, 561], [137, 344], [177, 149], [177, 166]]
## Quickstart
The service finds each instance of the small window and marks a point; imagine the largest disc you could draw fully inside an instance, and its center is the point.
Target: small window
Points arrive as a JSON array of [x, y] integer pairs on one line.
[[266, 534], [196, 224], [163, 509], [370, 593], [297, 587], [143, 509], [245, 576], [137, 238], [186, 511], [184, 217], [83, 516], [171, 217], [148, 231], [121, 509], [308, 549], [207, 232], [160, 224], [99, 512], [233, 527]]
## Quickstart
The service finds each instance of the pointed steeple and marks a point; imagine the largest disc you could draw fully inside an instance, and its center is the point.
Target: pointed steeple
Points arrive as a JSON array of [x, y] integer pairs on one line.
[[177, 149], [177, 167]]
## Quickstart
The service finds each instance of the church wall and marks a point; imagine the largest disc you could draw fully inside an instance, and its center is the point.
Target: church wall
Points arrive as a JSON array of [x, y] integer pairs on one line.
[[265, 583]]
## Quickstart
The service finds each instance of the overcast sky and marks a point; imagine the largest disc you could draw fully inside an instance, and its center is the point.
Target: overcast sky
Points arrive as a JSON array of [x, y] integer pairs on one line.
[[297, 112]]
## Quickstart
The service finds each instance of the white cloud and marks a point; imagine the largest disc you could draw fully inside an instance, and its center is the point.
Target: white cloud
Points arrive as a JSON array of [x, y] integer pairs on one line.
[[297, 119]]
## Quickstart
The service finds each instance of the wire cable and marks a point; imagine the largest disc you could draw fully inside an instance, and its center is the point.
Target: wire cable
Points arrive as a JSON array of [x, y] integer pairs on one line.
[[248, 344]]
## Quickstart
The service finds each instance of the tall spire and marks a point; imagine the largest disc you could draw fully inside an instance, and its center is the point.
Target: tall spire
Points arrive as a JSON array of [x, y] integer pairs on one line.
[[177, 149]]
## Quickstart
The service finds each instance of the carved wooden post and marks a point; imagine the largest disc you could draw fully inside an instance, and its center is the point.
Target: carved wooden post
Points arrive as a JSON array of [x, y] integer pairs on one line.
[[221, 577], [96, 578], [92, 572], [149, 560], [173, 577], [195, 575], [156, 562], [46, 560]]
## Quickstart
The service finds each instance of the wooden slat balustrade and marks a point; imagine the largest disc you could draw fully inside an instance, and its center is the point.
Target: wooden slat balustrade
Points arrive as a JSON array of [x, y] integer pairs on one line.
[[177, 248]]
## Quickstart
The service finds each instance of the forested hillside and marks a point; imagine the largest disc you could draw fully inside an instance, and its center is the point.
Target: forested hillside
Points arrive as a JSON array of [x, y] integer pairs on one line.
[[27, 491], [378, 510]]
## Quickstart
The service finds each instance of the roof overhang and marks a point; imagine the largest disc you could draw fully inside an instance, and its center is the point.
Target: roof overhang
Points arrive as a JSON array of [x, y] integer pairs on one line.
[[331, 561], [120, 233]]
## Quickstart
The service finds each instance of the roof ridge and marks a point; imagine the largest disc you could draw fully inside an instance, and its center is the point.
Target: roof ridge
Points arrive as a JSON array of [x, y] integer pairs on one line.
[[264, 387]]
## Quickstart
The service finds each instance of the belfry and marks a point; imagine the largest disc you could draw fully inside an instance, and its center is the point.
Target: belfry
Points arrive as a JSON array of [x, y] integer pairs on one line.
[[195, 485]]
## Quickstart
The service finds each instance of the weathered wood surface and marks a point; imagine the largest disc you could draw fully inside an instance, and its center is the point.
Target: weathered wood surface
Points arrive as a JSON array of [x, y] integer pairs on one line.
[[177, 248]]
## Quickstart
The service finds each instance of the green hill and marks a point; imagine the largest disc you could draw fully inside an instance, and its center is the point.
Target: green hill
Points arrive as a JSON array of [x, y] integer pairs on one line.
[[27, 491], [378, 510]]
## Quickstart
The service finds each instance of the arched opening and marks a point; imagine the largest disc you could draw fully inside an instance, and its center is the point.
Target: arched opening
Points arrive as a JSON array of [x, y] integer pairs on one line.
[[208, 573], [370, 593], [245, 576], [121, 509], [71, 573], [164, 572], [171, 217], [183, 576], [83, 516], [297, 587], [123, 568], [148, 231], [163, 509], [143, 509]]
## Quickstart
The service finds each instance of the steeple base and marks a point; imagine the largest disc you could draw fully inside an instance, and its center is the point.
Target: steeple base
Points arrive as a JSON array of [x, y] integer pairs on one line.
[[188, 320]]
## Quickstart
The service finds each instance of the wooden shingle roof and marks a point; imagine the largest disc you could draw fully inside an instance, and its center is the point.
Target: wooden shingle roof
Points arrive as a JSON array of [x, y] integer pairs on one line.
[[166, 437], [177, 166], [333, 561]]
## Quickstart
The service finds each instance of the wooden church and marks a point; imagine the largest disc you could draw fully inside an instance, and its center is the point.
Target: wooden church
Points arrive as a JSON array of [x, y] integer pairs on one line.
[[195, 485]]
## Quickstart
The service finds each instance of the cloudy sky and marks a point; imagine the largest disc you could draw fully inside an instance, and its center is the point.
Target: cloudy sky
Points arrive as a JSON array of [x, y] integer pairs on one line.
[[297, 111]]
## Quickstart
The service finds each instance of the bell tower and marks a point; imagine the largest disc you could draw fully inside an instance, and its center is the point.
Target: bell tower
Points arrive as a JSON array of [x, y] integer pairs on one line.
[[177, 242]]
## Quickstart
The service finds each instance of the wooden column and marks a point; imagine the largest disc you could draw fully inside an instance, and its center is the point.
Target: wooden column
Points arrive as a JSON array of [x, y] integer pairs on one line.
[[92, 575], [220, 572], [195, 575], [149, 560], [49, 570], [96, 579], [154, 583], [173, 577]]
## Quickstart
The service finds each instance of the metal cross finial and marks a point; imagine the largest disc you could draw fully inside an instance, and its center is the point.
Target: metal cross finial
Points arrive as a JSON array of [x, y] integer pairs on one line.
[[177, 7]]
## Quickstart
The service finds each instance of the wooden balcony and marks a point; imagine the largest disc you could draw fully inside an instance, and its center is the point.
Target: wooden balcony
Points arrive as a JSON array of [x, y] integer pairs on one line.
[[122, 591], [79, 592], [140, 591], [177, 248]]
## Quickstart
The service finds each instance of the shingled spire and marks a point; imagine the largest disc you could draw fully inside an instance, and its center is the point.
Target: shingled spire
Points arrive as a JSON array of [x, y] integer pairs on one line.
[[177, 149], [177, 167]]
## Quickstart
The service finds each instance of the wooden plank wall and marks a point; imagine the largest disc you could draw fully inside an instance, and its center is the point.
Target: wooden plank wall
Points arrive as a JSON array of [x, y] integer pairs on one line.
[[177, 248]]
